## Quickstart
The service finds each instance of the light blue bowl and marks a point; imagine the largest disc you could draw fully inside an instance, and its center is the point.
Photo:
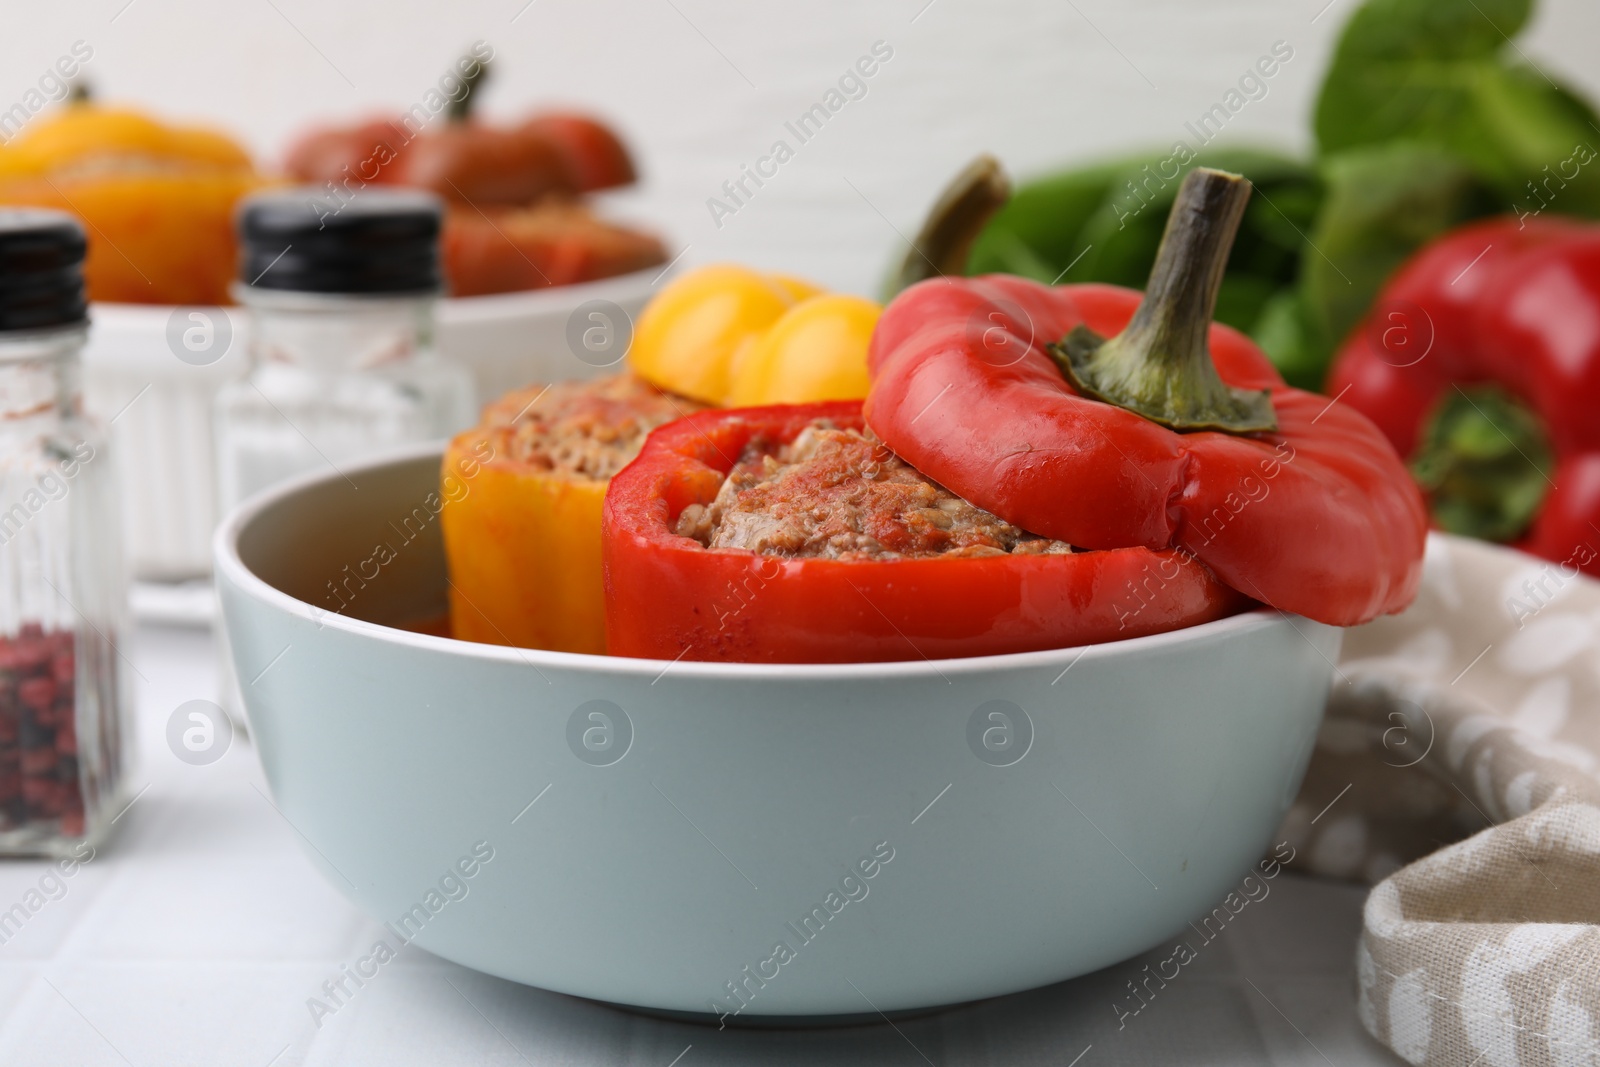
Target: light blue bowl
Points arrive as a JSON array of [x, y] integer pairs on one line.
[[649, 833]]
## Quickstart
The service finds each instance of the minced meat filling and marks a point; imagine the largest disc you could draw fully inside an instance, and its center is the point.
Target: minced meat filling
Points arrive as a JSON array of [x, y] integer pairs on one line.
[[586, 429], [842, 494]]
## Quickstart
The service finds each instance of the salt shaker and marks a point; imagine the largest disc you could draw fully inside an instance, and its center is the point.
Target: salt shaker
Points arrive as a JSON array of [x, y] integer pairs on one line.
[[342, 365]]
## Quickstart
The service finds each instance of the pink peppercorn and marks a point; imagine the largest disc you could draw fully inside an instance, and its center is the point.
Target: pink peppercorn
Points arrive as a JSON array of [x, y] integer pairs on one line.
[[39, 776]]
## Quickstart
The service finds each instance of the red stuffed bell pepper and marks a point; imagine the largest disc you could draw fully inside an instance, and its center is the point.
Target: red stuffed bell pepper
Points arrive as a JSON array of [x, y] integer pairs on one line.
[[784, 535], [1136, 440], [1481, 362]]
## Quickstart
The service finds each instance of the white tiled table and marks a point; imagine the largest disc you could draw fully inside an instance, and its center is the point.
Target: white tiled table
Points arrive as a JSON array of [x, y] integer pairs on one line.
[[199, 933]]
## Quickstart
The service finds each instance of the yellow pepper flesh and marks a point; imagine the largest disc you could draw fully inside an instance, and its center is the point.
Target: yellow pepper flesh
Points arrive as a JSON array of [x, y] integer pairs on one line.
[[732, 336], [816, 351], [690, 334], [524, 553], [797, 288]]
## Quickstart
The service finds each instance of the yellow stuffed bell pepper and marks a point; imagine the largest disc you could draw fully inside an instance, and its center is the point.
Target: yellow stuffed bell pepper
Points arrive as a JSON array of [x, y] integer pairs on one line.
[[158, 199], [526, 557], [522, 529], [735, 337], [523, 542]]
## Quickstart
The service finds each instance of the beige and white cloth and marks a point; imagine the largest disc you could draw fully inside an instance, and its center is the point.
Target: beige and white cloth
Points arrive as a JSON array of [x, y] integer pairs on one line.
[[1457, 770]]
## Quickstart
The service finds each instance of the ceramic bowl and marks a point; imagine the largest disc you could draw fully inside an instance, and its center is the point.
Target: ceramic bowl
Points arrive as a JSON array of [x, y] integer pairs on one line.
[[717, 838], [511, 339]]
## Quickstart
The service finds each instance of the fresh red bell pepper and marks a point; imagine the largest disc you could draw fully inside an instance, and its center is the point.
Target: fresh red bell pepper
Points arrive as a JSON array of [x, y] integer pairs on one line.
[[1175, 434], [669, 597], [1481, 361]]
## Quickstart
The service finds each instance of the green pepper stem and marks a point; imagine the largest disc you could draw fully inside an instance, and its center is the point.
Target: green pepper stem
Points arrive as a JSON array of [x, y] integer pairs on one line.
[[1160, 365], [963, 209], [460, 109]]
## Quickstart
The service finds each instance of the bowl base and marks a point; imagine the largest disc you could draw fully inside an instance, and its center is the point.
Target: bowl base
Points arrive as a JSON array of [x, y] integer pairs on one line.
[[788, 1022]]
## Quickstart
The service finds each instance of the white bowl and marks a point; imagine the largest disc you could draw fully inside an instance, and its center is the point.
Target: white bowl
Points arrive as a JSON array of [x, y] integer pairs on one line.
[[647, 857], [511, 339], [161, 406]]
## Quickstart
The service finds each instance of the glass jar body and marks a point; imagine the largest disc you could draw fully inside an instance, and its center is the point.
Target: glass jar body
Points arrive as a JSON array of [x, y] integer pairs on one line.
[[62, 601], [333, 379]]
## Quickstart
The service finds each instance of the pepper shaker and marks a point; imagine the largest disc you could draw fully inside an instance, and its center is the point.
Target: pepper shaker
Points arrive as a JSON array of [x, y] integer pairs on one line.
[[62, 586]]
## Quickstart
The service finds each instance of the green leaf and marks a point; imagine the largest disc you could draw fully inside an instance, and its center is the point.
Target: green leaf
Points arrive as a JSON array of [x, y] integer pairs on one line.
[[1406, 68], [1294, 348], [1006, 253], [1044, 216], [1446, 73], [1382, 204]]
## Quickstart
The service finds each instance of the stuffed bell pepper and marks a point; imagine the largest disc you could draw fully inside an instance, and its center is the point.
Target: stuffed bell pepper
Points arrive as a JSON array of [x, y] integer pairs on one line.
[[791, 534], [523, 546], [1036, 467], [158, 199]]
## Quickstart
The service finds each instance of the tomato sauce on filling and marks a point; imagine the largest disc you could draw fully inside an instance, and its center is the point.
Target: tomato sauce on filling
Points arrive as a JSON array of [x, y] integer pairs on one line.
[[842, 494], [584, 429]]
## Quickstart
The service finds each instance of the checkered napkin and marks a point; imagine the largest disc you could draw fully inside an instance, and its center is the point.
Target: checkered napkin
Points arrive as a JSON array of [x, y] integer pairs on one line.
[[1457, 770]]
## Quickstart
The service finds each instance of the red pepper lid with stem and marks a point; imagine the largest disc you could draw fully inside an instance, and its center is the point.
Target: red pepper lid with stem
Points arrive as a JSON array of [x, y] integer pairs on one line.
[[1148, 424]]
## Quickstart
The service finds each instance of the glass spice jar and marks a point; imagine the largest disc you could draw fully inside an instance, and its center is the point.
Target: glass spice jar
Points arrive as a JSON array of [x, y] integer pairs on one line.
[[342, 363], [62, 587]]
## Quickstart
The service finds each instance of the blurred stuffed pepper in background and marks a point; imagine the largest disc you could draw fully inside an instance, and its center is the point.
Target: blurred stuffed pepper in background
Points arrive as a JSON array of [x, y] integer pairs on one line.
[[157, 199], [516, 218]]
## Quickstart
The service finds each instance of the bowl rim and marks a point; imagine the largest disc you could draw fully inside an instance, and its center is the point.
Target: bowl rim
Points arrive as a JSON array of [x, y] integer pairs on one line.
[[229, 565], [450, 309], [457, 310]]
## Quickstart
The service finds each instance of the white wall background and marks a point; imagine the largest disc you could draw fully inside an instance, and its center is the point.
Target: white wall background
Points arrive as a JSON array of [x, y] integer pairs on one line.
[[701, 86]]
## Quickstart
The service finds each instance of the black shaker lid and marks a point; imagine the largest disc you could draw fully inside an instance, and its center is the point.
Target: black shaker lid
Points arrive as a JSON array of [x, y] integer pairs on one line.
[[41, 269], [309, 240]]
